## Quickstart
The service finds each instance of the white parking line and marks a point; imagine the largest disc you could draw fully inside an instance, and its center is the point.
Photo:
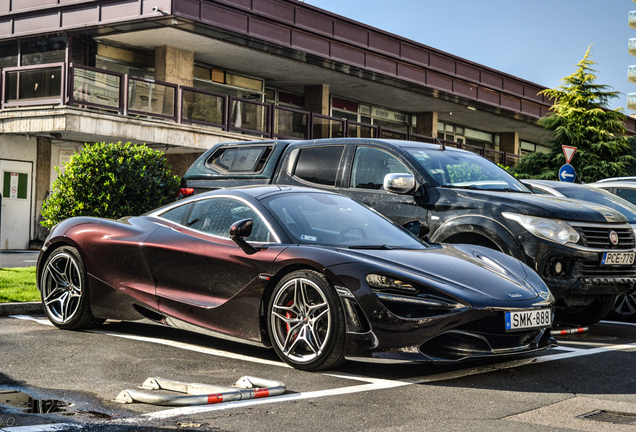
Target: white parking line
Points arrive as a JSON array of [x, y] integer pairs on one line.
[[372, 383], [618, 322], [62, 427]]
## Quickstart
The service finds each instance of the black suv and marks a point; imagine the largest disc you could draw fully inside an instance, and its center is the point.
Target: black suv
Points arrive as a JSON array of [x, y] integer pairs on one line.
[[583, 252]]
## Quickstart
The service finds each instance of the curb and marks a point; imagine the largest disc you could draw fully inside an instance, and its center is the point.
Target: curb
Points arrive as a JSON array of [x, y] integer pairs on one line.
[[25, 308]]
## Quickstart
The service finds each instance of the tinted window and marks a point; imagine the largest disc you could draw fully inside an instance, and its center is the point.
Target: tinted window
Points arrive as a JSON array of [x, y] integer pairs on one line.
[[628, 194], [319, 164], [176, 214], [319, 218], [371, 165], [215, 216], [240, 159]]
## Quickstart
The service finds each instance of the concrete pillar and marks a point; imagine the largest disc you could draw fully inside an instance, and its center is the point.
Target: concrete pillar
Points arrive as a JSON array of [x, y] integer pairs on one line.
[[42, 184], [317, 101], [426, 123], [509, 142], [175, 66]]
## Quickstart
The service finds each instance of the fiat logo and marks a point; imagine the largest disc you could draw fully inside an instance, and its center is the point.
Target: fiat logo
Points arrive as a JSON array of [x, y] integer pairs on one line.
[[613, 237]]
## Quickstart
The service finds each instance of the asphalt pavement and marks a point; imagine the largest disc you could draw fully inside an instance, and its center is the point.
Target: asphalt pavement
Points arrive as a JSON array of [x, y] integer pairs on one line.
[[545, 392]]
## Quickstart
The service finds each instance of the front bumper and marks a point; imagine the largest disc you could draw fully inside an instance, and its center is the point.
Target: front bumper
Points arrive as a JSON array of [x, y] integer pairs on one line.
[[472, 334], [582, 272]]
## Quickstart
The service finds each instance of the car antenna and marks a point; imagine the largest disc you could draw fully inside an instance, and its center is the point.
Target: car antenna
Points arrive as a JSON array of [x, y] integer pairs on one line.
[[441, 144]]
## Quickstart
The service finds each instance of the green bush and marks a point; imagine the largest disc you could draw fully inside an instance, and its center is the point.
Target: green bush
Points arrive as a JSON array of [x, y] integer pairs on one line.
[[110, 181]]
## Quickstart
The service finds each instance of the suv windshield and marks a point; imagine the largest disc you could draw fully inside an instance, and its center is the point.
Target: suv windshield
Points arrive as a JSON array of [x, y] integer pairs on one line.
[[465, 170], [326, 219]]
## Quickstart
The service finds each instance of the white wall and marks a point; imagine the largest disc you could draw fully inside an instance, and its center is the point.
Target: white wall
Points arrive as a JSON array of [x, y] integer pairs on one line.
[[21, 148]]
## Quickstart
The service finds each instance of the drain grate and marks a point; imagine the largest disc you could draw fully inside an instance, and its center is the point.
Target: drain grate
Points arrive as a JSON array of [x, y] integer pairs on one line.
[[610, 417]]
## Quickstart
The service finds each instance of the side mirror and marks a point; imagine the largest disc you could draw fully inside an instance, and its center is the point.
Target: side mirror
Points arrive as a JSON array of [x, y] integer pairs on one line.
[[238, 231], [399, 183], [417, 227]]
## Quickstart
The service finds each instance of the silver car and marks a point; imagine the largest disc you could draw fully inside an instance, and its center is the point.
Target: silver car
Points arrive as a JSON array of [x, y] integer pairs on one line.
[[614, 194]]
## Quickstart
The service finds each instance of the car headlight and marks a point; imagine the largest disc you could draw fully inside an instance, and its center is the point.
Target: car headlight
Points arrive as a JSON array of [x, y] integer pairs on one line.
[[410, 300], [385, 282], [550, 229]]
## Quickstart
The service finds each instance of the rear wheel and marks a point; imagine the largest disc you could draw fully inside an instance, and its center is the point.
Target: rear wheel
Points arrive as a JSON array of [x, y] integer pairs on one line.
[[305, 321], [64, 290], [586, 315]]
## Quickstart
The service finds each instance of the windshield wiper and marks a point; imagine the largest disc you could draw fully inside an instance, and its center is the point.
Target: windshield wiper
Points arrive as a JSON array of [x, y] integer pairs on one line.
[[381, 247], [461, 187]]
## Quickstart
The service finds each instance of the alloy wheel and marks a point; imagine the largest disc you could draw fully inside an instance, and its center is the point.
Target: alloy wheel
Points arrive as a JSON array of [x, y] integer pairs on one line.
[[62, 287], [301, 320]]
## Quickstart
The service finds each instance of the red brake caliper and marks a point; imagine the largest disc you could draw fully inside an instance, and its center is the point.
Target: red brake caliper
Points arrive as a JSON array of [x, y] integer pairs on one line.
[[290, 314]]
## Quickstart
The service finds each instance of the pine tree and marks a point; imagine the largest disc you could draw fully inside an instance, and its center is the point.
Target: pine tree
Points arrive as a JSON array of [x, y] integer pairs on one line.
[[581, 118]]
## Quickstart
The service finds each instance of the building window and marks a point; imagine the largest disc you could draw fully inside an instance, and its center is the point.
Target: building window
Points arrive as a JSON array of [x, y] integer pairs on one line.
[[9, 55], [125, 61], [372, 115], [43, 51], [528, 147], [451, 132]]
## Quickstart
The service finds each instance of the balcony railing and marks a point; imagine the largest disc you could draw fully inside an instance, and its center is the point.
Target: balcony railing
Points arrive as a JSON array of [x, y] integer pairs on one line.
[[88, 87]]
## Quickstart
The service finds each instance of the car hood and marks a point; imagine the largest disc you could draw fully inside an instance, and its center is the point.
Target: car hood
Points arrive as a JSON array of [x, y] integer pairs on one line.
[[545, 206], [461, 268]]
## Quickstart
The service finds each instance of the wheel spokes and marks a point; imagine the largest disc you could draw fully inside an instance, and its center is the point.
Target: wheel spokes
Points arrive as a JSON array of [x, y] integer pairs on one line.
[[301, 317], [62, 288]]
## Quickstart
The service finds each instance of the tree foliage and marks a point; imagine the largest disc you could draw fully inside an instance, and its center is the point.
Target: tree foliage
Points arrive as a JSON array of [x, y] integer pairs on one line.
[[111, 181], [581, 118]]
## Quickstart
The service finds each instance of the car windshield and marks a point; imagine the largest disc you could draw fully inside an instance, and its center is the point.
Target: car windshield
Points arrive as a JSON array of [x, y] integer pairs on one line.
[[334, 220], [603, 197], [465, 170]]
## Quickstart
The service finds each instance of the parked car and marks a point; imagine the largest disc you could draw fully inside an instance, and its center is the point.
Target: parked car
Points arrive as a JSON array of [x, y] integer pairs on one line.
[[460, 196], [625, 304], [610, 179], [313, 274], [624, 188]]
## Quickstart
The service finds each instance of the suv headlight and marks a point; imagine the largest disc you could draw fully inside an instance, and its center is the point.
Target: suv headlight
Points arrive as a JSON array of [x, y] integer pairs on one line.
[[550, 229]]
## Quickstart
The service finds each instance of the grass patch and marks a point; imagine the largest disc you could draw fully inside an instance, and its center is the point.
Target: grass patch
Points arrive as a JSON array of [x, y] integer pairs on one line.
[[18, 285]]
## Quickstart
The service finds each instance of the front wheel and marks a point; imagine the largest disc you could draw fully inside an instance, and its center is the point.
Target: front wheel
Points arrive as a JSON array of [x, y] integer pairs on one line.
[[64, 290], [586, 315], [305, 321]]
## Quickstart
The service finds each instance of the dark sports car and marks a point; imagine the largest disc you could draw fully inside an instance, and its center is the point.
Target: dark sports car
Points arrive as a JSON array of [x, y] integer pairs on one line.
[[313, 274]]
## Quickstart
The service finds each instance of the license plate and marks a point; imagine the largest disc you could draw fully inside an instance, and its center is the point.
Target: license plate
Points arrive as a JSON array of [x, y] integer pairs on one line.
[[529, 319], [618, 258]]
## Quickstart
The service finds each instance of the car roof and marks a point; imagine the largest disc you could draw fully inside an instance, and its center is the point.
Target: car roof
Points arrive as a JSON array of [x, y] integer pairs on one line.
[[259, 191], [622, 184], [611, 179], [555, 184], [388, 142]]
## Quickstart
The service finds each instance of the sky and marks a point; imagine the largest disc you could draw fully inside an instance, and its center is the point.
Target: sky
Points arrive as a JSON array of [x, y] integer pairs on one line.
[[540, 40]]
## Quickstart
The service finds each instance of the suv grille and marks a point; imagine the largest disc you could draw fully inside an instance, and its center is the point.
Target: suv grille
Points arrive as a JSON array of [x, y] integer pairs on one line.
[[593, 268], [598, 237]]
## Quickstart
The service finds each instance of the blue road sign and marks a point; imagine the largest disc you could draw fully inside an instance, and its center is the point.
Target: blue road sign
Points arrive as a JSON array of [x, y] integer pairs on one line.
[[567, 173]]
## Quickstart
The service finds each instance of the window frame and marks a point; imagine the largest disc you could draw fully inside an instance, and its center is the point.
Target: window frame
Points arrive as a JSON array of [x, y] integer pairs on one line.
[[211, 165], [182, 224], [296, 158], [353, 166]]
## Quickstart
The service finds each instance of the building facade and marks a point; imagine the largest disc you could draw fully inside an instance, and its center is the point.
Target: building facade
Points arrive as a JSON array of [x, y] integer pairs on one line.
[[183, 75]]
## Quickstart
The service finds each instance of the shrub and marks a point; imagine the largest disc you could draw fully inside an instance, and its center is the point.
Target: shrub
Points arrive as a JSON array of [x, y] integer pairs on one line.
[[111, 181]]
